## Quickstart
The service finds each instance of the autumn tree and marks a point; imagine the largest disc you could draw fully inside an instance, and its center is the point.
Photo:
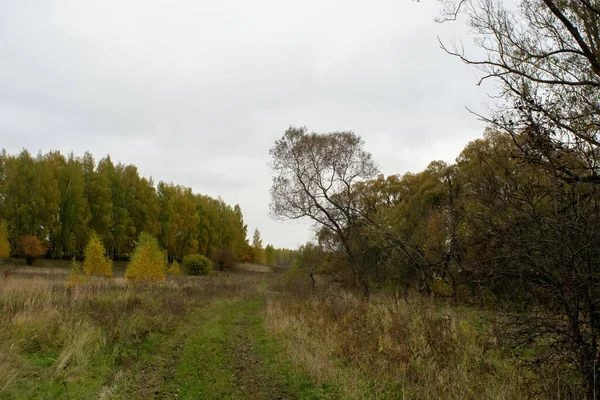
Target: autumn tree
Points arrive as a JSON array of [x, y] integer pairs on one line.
[[415, 227], [149, 261], [270, 255], [314, 176], [95, 261], [99, 199], [32, 247], [74, 214], [4, 243], [257, 249], [533, 242], [544, 56], [284, 256], [21, 199], [179, 220], [63, 199]]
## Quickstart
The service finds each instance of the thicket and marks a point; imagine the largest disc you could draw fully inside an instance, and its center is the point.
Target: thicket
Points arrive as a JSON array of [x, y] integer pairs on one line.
[[492, 230], [223, 258], [197, 264], [513, 224]]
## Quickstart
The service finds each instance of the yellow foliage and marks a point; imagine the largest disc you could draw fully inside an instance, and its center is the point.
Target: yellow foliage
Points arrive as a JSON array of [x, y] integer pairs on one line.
[[95, 262], [76, 276], [33, 246], [174, 269], [148, 262]]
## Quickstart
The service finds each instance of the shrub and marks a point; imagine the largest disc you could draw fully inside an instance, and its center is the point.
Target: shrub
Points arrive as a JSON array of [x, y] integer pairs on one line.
[[4, 244], [76, 276], [224, 258], [148, 262], [95, 261], [174, 269], [197, 264], [33, 248]]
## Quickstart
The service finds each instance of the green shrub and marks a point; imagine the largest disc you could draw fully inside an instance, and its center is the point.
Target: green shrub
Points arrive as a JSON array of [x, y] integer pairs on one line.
[[174, 269], [197, 264]]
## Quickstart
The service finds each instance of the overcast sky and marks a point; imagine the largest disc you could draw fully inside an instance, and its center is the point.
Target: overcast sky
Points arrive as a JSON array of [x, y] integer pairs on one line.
[[196, 92]]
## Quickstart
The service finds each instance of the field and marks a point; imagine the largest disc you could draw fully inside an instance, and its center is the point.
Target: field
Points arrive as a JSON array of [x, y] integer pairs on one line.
[[244, 334]]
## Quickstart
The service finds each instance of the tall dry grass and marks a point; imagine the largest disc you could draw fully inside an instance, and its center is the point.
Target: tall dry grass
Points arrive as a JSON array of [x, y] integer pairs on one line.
[[387, 349], [58, 342]]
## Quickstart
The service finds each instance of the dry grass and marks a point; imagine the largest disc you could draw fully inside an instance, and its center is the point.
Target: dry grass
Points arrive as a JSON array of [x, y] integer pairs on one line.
[[58, 342], [253, 268], [383, 349]]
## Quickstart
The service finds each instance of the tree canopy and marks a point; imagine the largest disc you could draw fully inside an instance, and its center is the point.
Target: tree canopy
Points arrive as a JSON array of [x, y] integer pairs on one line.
[[62, 201]]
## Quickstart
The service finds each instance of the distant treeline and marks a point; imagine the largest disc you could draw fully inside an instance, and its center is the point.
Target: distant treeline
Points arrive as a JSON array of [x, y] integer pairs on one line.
[[62, 200]]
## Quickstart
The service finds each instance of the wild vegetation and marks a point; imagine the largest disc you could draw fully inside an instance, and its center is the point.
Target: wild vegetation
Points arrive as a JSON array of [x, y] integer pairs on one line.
[[473, 279], [82, 341], [248, 335], [512, 226]]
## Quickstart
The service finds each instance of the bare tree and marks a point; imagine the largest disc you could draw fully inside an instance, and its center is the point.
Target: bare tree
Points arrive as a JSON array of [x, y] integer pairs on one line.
[[314, 177], [546, 56]]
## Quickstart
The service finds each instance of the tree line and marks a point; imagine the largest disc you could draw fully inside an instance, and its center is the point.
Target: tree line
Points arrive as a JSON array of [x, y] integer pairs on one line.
[[62, 201], [269, 255]]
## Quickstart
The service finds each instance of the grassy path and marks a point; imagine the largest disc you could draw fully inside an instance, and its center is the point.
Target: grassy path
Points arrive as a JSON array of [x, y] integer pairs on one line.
[[222, 352]]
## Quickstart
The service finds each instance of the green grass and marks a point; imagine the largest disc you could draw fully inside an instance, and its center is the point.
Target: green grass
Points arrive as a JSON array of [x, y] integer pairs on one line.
[[202, 371], [94, 341], [222, 352], [234, 336]]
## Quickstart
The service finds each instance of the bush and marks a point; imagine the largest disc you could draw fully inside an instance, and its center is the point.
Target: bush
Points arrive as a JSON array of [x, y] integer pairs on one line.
[[224, 258], [197, 264], [174, 270], [149, 262], [95, 261], [33, 248], [76, 277]]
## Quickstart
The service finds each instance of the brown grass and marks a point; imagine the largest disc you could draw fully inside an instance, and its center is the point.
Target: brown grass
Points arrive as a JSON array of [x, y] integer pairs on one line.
[[253, 268], [67, 342], [383, 349]]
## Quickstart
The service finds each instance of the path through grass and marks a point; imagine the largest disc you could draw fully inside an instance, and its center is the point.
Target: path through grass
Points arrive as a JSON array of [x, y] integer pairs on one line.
[[222, 352]]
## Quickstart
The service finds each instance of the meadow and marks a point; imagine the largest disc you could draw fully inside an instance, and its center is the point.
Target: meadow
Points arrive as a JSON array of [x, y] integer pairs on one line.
[[242, 334]]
